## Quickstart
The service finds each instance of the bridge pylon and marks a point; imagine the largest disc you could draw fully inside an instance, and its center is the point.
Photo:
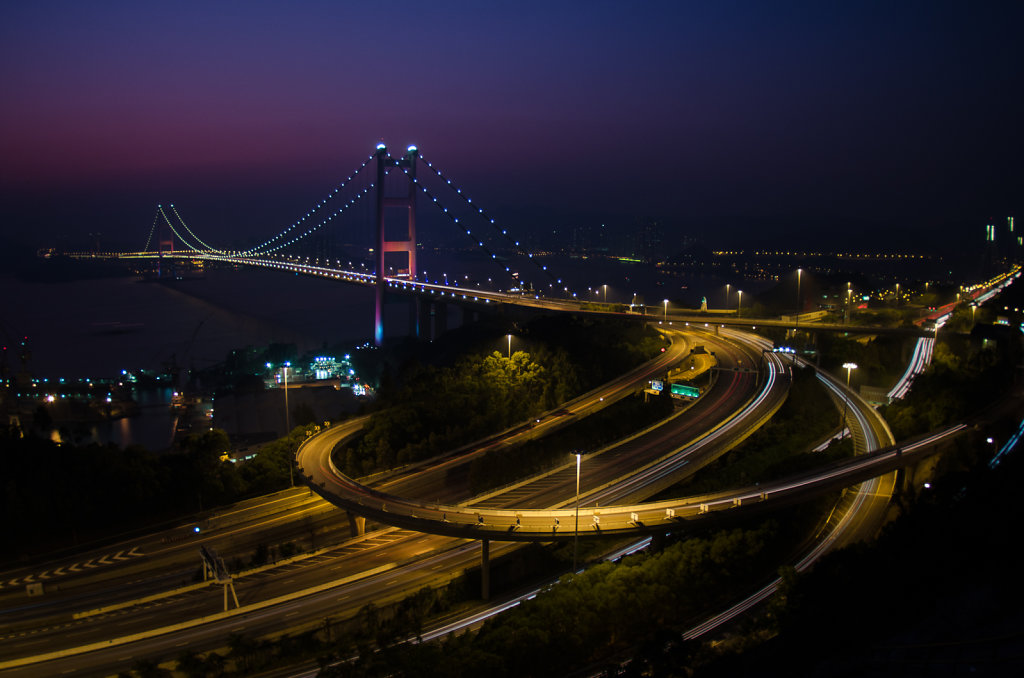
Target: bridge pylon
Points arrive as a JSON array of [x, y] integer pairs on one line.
[[384, 245], [164, 240]]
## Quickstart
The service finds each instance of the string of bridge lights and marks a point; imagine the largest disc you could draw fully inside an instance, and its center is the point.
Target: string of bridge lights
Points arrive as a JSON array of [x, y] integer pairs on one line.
[[265, 245], [186, 243], [156, 218], [265, 248], [198, 239], [336, 213], [455, 220], [501, 231]]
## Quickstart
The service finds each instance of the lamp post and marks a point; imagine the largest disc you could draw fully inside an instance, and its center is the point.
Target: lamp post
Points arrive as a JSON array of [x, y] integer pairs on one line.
[[849, 293], [287, 423], [739, 303], [576, 537], [605, 293], [666, 310], [727, 286], [846, 396], [799, 274], [510, 347]]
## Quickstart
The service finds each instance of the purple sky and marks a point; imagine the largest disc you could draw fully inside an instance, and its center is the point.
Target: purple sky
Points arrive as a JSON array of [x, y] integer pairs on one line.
[[723, 119]]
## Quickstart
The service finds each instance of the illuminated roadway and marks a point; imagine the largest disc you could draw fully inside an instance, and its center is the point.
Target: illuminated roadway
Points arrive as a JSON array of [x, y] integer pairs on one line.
[[547, 516], [455, 294], [391, 549], [397, 564], [479, 520]]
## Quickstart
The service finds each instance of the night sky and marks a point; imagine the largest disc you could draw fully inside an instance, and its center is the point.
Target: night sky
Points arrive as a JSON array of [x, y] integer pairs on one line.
[[825, 124]]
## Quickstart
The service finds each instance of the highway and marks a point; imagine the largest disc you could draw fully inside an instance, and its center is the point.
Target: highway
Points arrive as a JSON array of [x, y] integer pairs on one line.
[[390, 563], [170, 558], [383, 548], [638, 468]]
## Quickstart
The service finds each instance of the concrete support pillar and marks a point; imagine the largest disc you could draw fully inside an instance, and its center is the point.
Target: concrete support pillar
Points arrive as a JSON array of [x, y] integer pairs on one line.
[[424, 311], [356, 523], [657, 542], [416, 316], [440, 319], [485, 569]]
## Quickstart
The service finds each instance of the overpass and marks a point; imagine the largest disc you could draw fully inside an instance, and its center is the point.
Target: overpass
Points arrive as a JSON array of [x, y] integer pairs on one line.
[[567, 521]]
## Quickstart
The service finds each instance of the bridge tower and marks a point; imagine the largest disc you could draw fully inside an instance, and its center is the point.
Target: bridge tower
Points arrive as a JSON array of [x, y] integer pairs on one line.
[[384, 245], [164, 241]]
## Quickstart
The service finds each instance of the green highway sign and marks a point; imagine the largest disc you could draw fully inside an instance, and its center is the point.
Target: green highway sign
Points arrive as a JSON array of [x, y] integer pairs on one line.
[[685, 391]]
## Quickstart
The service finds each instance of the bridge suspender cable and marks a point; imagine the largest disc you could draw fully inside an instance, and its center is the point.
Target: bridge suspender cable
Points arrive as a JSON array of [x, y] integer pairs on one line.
[[167, 221], [185, 226], [299, 222], [156, 218], [503, 232]]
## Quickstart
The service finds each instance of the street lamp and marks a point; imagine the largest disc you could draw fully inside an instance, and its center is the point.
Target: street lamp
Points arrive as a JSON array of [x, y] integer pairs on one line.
[[799, 274], [849, 293], [739, 303], [848, 367], [287, 423], [605, 293], [510, 347], [727, 286], [666, 310], [846, 396], [576, 537]]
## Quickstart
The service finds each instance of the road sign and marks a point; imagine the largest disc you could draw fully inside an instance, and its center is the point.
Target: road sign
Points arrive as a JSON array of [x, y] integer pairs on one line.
[[684, 391]]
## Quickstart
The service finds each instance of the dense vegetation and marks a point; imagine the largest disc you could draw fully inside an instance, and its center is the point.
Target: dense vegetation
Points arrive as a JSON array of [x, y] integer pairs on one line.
[[962, 379], [61, 494], [934, 595], [424, 410]]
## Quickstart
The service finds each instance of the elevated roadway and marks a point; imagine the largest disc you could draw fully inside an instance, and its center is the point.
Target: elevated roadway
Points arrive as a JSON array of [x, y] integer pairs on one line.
[[468, 295], [387, 571], [357, 559], [637, 468]]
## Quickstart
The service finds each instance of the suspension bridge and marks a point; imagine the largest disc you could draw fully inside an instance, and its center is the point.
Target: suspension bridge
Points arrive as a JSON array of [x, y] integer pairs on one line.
[[332, 241], [394, 186]]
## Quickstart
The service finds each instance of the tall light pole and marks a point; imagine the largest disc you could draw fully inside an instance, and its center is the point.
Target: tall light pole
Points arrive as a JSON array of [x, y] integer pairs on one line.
[[739, 303], [510, 347], [666, 310], [605, 293], [799, 273], [727, 286], [846, 396], [576, 537], [287, 422], [849, 293]]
